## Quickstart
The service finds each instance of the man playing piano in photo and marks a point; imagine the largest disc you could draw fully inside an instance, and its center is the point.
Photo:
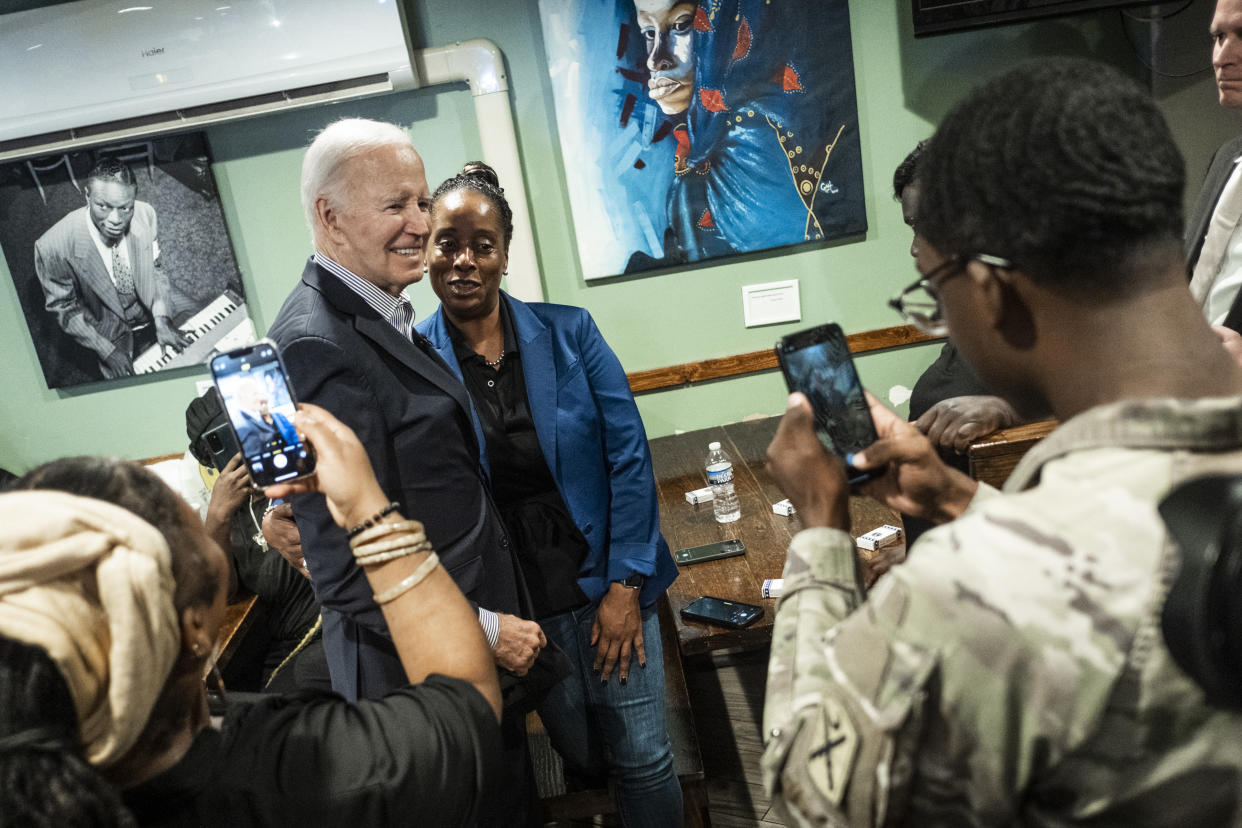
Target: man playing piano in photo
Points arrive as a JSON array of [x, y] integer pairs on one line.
[[99, 273]]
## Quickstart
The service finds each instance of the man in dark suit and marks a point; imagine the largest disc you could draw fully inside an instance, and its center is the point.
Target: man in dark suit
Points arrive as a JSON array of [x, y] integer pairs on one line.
[[346, 335], [100, 276], [1213, 240]]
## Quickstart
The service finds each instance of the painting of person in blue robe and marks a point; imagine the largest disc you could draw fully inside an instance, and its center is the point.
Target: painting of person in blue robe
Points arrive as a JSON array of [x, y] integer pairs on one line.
[[705, 129], [770, 155]]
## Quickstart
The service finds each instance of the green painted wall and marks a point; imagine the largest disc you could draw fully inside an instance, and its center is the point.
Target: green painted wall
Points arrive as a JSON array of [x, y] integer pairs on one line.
[[904, 87]]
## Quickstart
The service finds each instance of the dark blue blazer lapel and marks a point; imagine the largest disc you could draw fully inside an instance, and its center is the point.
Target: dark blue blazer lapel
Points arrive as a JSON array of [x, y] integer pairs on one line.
[[539, 368], [371, 325]]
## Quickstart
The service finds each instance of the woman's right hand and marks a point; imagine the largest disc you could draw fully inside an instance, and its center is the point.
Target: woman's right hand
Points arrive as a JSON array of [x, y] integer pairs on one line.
[[343, 471]]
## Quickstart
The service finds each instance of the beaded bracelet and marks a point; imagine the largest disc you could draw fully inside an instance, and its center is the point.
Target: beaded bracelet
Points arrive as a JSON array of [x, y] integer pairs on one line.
[[373, 519], [379, 556], [413, 580]]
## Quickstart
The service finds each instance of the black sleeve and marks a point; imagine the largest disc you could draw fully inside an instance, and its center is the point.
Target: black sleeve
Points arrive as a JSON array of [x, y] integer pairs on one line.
[[289, 600], [426, 754]]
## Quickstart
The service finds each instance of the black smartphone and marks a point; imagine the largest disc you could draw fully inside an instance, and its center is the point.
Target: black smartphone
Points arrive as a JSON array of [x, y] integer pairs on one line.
[[709, 552], [724, 613], [259, 400], [817, 362], [222, 443]]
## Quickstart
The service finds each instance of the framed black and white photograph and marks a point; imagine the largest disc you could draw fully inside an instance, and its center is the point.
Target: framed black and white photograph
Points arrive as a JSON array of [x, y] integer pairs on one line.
[[121, 259]]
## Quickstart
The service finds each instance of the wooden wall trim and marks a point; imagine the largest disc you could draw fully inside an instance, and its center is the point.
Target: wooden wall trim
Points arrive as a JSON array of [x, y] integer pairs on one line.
[[655, 379], [151, 461]]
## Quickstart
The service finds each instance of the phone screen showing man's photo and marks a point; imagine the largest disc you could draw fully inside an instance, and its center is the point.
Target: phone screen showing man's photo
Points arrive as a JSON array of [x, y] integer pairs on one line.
[[261, 408]]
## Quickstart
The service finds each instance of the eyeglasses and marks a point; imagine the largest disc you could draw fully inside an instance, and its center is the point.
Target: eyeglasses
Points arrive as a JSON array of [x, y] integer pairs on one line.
[[919, 304]]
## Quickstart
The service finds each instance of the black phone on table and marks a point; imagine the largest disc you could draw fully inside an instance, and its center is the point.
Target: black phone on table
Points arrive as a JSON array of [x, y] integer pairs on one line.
[[817, 362], [722, 612], [709, 552], [259, 401]]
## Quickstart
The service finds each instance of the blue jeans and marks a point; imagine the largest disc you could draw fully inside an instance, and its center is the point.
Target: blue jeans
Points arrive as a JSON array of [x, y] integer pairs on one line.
[[609, 727]]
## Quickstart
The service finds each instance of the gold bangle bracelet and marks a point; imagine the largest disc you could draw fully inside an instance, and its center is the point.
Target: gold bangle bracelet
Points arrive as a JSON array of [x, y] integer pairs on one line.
[[383, 530], [385, 555], [384, 544], [413, 580]]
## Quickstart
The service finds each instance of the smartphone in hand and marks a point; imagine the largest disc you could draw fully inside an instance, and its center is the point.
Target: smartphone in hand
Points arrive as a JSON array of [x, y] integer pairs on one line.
[[222, 443], [259, 401], [817, 362]]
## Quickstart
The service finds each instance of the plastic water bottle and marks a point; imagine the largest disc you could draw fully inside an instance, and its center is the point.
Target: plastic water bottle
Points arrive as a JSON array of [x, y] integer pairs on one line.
[[720, 476]]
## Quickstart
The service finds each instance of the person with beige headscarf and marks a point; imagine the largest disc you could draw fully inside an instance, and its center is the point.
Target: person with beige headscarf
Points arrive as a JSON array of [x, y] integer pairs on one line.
[[111, 598]]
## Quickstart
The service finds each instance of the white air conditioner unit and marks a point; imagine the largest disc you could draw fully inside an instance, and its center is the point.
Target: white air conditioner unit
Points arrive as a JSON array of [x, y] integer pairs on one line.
[[94, 71]]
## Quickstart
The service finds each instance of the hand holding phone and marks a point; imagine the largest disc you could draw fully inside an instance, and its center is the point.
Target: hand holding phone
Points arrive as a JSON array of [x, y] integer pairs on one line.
[[344, 474], [817, 363], [260, 405], [222, 445]]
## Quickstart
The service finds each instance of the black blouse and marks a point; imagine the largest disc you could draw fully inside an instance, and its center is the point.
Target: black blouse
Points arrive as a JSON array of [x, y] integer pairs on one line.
[[550, 547], [426, 754]]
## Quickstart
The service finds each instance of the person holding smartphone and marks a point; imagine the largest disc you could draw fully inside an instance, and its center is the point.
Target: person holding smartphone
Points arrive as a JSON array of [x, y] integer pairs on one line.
[[111, 599], [292, 652], [570, 469], [1011, 670]]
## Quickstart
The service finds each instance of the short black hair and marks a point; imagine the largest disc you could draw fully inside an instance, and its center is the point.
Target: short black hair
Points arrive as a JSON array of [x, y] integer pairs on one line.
[[1064, 166], [906, 170], [110, 169], [480, 178]]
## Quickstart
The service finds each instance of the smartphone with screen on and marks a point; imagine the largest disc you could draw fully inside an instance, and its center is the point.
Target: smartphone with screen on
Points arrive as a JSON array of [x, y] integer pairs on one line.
[[222, 443], [709, 552], [817, 362], [721, 612], [260, 405]]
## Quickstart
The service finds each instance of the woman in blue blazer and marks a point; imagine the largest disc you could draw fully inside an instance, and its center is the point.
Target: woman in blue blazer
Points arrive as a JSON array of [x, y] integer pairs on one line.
[[569, 467]]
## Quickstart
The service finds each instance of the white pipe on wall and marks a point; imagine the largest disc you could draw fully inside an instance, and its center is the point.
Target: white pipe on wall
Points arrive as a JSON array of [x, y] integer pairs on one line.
[[480, 64]]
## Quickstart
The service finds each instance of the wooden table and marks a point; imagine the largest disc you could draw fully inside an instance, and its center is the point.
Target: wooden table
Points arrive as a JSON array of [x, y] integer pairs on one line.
[[679, 468], [238, 617], [994, 457]]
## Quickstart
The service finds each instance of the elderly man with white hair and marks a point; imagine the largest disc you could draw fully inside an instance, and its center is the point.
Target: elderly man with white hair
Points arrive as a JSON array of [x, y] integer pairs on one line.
[[346, 336]]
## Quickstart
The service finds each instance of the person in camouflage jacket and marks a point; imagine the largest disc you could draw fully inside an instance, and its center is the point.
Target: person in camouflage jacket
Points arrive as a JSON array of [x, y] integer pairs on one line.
[[1012, 670]]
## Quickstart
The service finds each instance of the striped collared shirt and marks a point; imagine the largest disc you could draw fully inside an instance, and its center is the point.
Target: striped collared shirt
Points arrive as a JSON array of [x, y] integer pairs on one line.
[[399, 312]]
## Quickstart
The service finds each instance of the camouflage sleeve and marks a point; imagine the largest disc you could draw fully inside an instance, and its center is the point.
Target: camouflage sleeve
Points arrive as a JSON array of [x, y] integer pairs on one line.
[[836, 751], [968, 672], [984, 493]]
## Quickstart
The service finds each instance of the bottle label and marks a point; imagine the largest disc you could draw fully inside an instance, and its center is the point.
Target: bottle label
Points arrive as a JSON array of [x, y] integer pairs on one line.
[[719, 475]]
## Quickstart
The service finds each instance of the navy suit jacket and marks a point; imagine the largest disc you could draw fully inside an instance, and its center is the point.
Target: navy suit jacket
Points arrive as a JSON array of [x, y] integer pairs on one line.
[[1196, 228], [592, 439], [414, 418]]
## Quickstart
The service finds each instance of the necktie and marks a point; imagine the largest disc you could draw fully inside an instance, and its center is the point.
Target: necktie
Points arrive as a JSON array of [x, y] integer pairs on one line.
[[1216, 242], [121, 272]]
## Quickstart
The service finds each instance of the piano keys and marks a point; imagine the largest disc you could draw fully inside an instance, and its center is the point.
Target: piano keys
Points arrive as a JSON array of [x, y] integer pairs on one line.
[[223, 324]]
